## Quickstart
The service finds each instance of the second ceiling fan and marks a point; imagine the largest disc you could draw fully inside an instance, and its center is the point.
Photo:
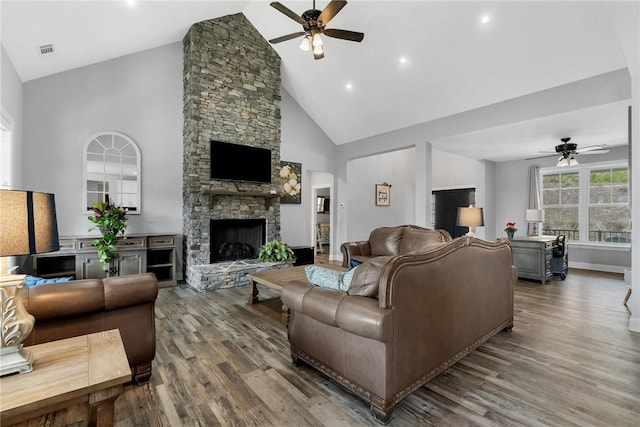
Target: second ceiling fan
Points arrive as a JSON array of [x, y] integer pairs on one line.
[[568, 151], [313, 23]]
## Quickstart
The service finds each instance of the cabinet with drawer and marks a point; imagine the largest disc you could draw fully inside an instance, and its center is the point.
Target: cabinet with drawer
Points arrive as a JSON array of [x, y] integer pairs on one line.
[[134, 254], [532, 257]]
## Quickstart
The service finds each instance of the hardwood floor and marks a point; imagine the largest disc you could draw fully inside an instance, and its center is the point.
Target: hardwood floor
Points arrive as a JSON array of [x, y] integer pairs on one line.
[[569, 361]]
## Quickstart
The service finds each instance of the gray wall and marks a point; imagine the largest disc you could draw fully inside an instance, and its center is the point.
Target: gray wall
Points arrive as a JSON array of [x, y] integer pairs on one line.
[[11, 101], [139, 95], [396, 168], [302, 142]]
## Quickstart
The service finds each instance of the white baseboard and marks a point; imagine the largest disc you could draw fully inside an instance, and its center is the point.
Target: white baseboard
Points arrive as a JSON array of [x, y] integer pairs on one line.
[[598, 267], [634, 323]]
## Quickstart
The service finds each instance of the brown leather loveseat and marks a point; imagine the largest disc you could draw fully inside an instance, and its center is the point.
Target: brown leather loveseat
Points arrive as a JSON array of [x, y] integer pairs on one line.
[[430, 309], [79, 307], [391, 241]]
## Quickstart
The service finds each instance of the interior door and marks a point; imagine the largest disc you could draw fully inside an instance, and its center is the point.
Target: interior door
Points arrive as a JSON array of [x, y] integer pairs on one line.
[[447, 203]]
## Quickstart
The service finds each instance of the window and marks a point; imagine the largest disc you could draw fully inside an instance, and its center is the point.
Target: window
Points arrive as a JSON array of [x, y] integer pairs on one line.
[[609, 213], [587, 204], [561, 199], [112, 171]]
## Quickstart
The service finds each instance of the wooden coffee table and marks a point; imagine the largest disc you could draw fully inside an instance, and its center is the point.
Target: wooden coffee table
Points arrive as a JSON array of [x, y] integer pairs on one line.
[[276, 279], [89, 369]]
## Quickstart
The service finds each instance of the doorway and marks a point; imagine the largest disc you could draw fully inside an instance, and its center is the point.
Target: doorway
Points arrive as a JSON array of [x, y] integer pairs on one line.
[[445, 207]]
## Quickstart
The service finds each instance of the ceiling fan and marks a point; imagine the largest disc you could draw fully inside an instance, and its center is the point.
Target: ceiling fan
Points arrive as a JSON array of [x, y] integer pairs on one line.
[[313, 22], [568, 151]]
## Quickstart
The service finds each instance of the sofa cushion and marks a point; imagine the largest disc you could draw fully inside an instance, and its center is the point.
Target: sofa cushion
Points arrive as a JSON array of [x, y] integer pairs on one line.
[[329, 278], [57, 300], [366, 278], [385, 241], [417, 240]]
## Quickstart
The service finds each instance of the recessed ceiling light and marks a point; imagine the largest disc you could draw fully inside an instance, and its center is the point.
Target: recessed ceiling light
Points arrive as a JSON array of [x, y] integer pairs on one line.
[[485, 19], [403, 60], [130, 3], [349, 86]]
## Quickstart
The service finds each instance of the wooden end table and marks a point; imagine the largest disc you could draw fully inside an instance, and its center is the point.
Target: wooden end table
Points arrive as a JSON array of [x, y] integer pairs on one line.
[[87, 369], [276, 279]]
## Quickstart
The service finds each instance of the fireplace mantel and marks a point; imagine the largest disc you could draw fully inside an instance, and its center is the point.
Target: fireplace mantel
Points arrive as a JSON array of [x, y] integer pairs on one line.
[[221, 192]]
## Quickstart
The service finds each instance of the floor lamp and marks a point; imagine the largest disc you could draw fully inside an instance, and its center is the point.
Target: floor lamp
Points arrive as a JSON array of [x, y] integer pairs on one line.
[[27, 226]]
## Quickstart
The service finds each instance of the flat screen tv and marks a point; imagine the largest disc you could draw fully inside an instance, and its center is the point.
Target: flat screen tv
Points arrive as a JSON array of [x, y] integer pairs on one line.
[[240, 162]]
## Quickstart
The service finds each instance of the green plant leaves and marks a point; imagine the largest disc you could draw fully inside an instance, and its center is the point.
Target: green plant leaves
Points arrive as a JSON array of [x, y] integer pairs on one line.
[[275, 251]]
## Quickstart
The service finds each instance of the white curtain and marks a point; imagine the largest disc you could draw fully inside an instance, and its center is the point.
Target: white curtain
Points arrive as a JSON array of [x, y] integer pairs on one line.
[[535, 199]]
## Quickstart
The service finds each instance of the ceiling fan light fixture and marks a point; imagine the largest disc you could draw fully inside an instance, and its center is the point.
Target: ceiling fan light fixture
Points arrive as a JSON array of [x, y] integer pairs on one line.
[[572, 161], [305, 44], [316, 41], [562, 162], [317, 50]]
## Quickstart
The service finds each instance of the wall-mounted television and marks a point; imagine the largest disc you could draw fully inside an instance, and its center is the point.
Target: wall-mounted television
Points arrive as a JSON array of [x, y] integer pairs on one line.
[[240, 162]]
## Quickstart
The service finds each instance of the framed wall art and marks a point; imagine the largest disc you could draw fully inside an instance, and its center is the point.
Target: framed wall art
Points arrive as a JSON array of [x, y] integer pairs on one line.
[[290, 182], [383, 194]]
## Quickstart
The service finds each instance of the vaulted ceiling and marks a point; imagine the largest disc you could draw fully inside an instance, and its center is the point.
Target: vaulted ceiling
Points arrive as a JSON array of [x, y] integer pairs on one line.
[[419, 61]]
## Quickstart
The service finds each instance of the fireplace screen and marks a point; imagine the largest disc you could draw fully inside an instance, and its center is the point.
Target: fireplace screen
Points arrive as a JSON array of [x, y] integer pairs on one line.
[[235, 239]]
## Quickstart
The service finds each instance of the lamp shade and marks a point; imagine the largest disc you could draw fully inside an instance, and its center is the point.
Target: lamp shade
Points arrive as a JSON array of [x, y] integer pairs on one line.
[[27, 223], [470, 217], [534, 215]]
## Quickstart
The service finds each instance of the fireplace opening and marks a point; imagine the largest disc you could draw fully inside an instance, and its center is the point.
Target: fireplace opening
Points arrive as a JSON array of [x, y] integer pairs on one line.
[[236, 239]]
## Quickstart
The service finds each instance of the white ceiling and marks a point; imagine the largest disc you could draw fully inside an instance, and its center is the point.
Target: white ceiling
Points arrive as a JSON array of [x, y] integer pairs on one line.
[[454, 62]]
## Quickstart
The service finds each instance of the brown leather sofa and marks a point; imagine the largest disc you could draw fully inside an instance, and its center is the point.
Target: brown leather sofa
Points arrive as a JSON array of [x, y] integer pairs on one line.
[[391, 241], [79, 307], [431, 309]]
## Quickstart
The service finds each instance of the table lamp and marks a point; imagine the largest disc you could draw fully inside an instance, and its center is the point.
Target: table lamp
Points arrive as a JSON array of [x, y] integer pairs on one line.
[[470, 217], [535, 216], [27, 226]]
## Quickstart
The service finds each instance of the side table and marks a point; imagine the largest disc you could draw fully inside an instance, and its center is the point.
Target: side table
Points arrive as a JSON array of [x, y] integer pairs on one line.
[[89, 369]]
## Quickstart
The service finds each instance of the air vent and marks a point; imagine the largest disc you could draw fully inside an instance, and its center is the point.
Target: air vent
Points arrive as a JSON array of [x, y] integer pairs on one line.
[[46, 48]]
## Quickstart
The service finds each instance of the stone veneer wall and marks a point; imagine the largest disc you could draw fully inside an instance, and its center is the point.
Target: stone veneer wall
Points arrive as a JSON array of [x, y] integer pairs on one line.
[[231, 94]]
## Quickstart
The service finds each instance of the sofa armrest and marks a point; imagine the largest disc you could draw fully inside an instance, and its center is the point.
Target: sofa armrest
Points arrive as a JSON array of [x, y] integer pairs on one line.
[[355, 314], [351, 249], [361, 316]]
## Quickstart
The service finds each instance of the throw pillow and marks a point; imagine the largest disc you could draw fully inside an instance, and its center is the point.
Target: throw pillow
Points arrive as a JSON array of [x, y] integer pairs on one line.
[[33, 280], [353, 263], [416, 241], [366, 277], [328, 278]]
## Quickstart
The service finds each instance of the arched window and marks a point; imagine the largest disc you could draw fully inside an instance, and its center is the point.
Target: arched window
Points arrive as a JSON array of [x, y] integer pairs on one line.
[[111, 171]]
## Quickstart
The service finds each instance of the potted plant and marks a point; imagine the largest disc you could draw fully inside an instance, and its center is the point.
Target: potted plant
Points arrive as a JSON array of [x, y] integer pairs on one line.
[[276, 251], [510, 229], [111, 220]]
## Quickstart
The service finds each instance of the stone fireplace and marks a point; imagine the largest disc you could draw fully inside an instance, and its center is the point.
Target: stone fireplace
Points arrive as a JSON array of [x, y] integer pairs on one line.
[[231, 94]]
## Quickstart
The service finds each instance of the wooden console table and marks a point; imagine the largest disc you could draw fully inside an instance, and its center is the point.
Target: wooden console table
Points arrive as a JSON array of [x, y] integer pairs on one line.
[[89, 369]]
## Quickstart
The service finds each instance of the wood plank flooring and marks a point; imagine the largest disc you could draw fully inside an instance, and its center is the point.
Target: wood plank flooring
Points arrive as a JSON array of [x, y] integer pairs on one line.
[[569, 361]]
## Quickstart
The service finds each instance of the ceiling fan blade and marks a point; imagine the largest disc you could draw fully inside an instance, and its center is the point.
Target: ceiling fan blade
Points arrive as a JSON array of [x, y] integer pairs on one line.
[[542, 157], [290, 13], [287, 37], [344, 34], [331, 10], [586, 153], [590, 148]]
